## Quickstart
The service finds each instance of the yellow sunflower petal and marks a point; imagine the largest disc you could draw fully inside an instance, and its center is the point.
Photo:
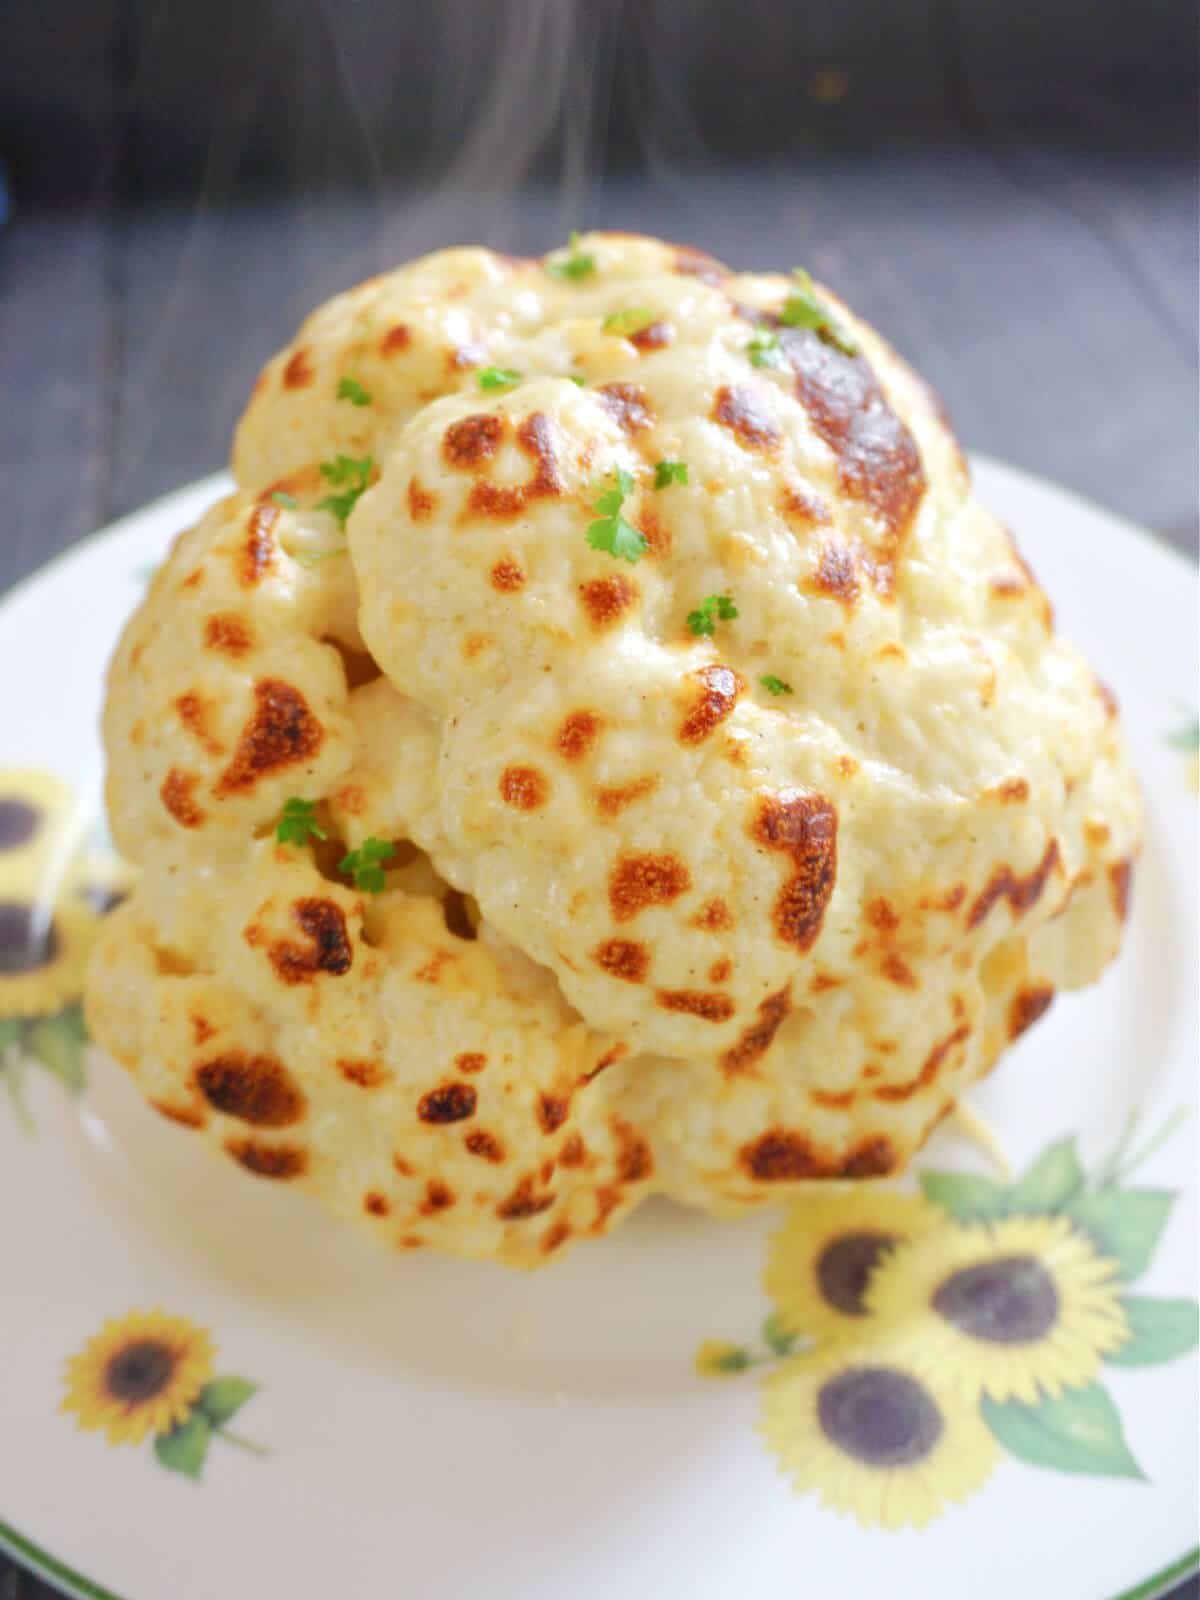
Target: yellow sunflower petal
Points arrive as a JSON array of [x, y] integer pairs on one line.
[[140, 1374], [39, 818]]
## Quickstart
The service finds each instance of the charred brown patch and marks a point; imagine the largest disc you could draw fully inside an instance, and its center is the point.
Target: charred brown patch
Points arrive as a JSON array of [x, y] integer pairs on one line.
[[607, 599], [656, 337], [720, 971], [719, 691], [282, 1161], [882, 914], [714, 916], [473, 440], [577, 735], [611, 800], [836, 574], [1012, 792], [801, 824], [202, 1029], [471, 1061], [635, 1163], [1021, 893], [627, 405], [831, 1099], [742, 411], [623, 958], [192, 711], [573, 1152], [821, 982], [422, 502], [524, 788], [522, 1202], [756, 1040], [934, 1062], [696, 264], [555, 1237], [449, 1102], [506, 501], [896, 970], [479, 1142], [702, 1003], [552, 1112], [328, 949], [397, 338], [282, 733], [783, 1156], [1027, 1006], [226, 632], [256, 1089], [798, 505], [255, 557], [507, 576], [178, 795], [185, 1116], [298, 373], [438, 1197], [364, 1072], [376, 1204], [403, 1167], [1120, 878], [644, 879]]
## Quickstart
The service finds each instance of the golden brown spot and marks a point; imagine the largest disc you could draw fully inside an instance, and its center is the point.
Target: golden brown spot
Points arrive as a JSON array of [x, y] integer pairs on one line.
[[657, 535], [202, 1029], [507, 576], [352, 799], [882, 915], [1097, 832], [328, 949], [700, 1003], [410, 1241], [178, 795], [578, 735], [1021, 893], [719, 691], [611, 801], [1027, 1006], [403, 1167], [228, 633], [470, 1061], [934, 1062], [608, 1198], [623, 958], [800, 506], [697, 264], [552, 1112], [438, 1197], [1011, 792], [1120, 878], [282, 733], [897, 971], [824, 981], [505, 501], [362, 1071], [422, 503], [475, 644], [640, 880], [524, 788], [193, 713], [802, 824], [782, 1156], [836, 574], [755, 1041], [573, 1152], [832, 1100], [269, 1160], [522, 1202], [449, 1102], [472, 440], [953, 898], [394, 340], [192, 581], [484, 1145], [185, 1116], [634, 1161], [255, 556], [376, 1204], [720, 971], [431, 971], [257, 1089], [741, 411], [627, 405], [298, 374], [606, 599], [656, 337], [1107, 699], [555, 1236], [606, 1060], [713, 916]]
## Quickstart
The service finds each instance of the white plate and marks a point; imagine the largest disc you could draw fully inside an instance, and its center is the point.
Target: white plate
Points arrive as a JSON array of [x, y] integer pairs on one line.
[[438, 1429]]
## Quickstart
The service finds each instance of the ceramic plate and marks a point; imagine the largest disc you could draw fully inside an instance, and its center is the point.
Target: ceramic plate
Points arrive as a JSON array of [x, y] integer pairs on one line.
[[303, 1416]]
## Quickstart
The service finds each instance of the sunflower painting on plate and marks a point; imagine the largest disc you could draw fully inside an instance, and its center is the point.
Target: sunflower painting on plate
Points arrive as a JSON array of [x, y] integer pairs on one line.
[[915, 1338], [54, 889]]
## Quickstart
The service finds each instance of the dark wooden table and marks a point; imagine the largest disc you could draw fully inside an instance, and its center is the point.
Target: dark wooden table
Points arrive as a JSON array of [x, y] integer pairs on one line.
[[1048, 293]]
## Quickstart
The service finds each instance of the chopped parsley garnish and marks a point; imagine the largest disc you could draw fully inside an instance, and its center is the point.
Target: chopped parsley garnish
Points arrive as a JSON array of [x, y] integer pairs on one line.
[[289, 501], [775, 685], [298, 822], [365, 864], [628, 322], [577, 380], [350, 389], [714, 608], [499, 378], [612, 532], [576, 264], [764, 350], [668, 472], [802, 309], [351, 477]]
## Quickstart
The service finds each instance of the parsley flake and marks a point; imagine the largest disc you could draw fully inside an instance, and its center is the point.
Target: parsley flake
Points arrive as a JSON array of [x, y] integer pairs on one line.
[[576, 264], [764, 350], [668, 472], [365, 864], [580, 383], [499, 378], [612, 533], [802, 309], [350, 389], [298, 822], [628, 322], [288, 501], [351, 477], [775, 685], [714, 608]]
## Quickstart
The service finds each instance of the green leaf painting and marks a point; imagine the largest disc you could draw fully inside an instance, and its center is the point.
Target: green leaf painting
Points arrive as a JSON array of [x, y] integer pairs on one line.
[[1079, 1431]]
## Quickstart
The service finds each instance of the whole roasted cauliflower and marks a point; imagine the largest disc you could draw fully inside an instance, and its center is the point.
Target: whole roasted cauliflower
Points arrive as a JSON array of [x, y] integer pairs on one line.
[[601, 748]]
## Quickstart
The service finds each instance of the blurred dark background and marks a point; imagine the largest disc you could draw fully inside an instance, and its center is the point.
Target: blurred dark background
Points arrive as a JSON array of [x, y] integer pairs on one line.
[[1008, 190]]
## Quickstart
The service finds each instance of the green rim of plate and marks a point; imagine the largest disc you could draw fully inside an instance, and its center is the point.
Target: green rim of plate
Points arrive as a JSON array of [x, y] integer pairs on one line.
[[44, 1565]]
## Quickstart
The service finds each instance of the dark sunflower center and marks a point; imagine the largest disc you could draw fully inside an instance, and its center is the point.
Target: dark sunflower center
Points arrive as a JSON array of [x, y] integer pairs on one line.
[[18, 822], [1008, 1301], [25, 945], [844, 1267], [140, 1370], [879, 1416]]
